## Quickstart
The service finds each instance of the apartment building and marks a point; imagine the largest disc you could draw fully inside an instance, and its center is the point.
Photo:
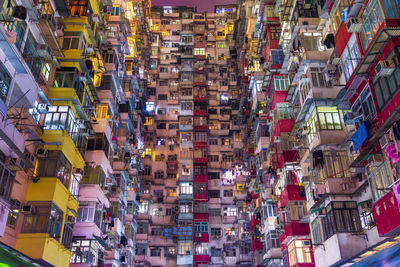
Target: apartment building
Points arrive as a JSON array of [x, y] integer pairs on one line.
[[322, 131], [70, 135], [263, 134], [193, 209]]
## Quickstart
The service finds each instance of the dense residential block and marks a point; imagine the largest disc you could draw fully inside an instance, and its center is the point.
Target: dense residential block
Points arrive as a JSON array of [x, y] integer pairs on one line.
[[264, 133]]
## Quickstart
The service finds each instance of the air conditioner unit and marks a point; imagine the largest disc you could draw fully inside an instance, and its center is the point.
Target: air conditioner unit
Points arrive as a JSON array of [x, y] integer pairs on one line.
[[110, 181], [14, 203], [376, 159], [384, 68], [31, 158], [59, 31], [305, 130], [41, 153], [28, 209], [43, 108], [385, 140], [352, 117], [15, 164], [355, 25], [277, 139], [95, 17], [89, 49]]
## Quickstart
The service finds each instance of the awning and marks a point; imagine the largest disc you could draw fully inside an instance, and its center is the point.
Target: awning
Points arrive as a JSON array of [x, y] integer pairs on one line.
[[10, 257]]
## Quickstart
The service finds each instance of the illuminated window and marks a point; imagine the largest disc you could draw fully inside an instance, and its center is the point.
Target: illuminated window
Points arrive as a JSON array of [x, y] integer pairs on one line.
[[154, 27], [299, 252], [171, 192], [147, 152], [115, 11], [199, 51], [185, 248], [186, 188], [102, 111], [201, 248], [185, 170]]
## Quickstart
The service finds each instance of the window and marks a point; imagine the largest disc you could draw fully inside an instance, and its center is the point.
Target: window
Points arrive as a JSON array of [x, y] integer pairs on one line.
[[216, 252], [297, 210], [85, 251], [67, 232], [142, 227], [272, 239], [169, 251], [186, 188], [155, 252], [339, 217], [186, 91], [317, 77], [213, 158], [186, 105], [270, 209], [201, 227], [200, 137], [156, 212], [48, 218], [336, 165], [159, 175], [73, 40], [228, 193], [213, 193], [316, 231], [230, 211], [185, 248], [199, 51], [200, 153], [201, 248], [156, 231], [213, 142], [386, 87], [62, 118], [86, 211], [299, 251], [7, 178], [185, 208], [216, 232], [143, 207], [185, 170], [365, 104], [214, 211], [200, 188], [281, 83], [373, 18], [275, 33], [350, 56], [141, 248], [185, 121], [324, 118], [171, 192], [163, 97], [200, 207], [230, 251], [55, 165], [380, 177]]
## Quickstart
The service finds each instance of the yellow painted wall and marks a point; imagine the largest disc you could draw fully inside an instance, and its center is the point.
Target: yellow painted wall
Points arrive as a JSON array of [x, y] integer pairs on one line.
[[68, 147], [41, 246]]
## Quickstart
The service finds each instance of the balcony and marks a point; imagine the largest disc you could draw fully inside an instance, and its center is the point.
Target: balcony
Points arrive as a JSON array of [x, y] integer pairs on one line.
[[291, 193], [339, 247], [387, 213]]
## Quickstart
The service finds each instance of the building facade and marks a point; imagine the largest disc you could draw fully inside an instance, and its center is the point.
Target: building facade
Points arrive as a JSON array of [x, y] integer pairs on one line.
[[265, 133]]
